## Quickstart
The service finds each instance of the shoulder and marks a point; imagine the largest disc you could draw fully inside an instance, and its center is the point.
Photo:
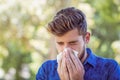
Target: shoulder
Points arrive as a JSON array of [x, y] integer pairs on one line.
[[45, 69], [107, 63], [111, 67], [108, 68], [47, 66], [49, 62], [101, 62]]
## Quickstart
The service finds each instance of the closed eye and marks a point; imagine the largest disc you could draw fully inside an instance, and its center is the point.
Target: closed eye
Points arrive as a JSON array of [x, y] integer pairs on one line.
[[73, 42], [60, 43]]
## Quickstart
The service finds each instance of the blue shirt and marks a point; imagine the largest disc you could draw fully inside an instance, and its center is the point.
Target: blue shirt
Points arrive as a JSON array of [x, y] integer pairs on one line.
[[96, 68]]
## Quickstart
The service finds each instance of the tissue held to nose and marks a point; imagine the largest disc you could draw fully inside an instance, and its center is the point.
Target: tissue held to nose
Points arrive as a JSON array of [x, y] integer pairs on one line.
[[59, 56]]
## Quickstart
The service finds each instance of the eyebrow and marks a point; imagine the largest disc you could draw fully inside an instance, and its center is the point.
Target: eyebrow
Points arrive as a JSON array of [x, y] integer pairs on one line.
[[60, 42], [73, 41], [68, 42]]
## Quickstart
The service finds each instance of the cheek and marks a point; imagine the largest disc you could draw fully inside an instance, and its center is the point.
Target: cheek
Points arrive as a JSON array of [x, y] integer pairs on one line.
[[77, 47], [59, 48], [81, 47]]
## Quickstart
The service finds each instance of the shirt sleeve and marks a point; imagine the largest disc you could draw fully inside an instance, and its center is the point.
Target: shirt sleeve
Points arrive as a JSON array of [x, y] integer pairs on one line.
[[42, 72], [114, 72]]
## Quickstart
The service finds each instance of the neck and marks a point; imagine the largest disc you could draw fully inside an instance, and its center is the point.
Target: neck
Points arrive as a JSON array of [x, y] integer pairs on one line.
[[84, 57]]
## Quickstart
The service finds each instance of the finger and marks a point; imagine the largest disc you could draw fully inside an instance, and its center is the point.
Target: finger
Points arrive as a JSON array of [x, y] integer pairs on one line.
[[69, 62], [64, 68], [71, 54], [77, 63]]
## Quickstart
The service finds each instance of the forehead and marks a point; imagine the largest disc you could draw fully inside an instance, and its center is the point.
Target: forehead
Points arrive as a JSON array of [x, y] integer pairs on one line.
[[69, 36]]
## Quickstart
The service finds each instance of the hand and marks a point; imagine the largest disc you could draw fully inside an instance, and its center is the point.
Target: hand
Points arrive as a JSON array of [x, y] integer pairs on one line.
[[62, 68], [70, 67]]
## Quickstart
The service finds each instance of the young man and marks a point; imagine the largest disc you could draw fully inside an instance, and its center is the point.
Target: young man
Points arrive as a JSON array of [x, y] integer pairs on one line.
[[69, 28]]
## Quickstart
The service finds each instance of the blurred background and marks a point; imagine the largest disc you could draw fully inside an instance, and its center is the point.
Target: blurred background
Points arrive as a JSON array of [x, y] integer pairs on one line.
[[25, 43]]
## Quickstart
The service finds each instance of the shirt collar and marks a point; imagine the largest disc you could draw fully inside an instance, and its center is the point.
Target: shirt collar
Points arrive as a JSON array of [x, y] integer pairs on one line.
[[91, 59]]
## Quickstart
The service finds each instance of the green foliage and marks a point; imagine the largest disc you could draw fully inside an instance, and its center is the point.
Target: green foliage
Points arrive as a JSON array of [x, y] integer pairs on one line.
[[107, 25], [24, 40]]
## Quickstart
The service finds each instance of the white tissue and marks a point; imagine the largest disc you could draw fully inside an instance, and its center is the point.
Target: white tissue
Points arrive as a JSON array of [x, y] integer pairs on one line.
[[59, 56]]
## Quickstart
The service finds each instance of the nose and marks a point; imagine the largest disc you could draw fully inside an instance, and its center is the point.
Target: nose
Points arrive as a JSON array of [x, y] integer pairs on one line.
[[66, 46]]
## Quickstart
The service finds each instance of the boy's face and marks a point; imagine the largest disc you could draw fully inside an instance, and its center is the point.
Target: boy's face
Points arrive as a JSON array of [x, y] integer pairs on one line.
[[72, 40]]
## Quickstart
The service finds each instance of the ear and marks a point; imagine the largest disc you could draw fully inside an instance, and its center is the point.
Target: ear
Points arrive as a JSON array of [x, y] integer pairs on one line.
[[87, 37]]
